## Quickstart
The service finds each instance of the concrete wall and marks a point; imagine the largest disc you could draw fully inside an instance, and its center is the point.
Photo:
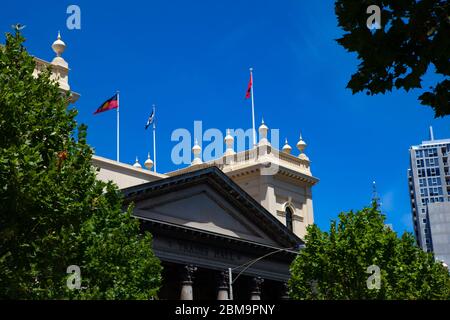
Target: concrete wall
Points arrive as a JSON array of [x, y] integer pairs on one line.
[[439, 215], [123, 175], [276, 192]]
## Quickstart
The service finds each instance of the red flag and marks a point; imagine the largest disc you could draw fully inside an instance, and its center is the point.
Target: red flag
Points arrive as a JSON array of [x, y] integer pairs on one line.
[[249, 89], [109, 104]]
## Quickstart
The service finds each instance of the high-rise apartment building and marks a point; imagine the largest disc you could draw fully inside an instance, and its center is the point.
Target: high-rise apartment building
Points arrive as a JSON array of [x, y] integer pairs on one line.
[[429, 185]]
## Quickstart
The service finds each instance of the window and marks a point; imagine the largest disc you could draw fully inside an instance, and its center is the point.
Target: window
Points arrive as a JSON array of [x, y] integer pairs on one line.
[[424, 192], [431, 172], [432, 162], [289, 215], [434, 181], [419, 153], [422, 182], [436, 191], [431, 152], [421, 173], [419, 163], [424, 220]]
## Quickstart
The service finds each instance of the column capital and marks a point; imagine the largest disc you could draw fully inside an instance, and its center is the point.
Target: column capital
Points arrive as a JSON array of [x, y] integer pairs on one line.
[[223, 280], [256, 288], [188, 273], [223, 286], [187, 282]]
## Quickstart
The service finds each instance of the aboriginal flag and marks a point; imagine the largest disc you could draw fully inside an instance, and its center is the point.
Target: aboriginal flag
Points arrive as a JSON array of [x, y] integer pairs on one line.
[[112, 103], [249, 89]]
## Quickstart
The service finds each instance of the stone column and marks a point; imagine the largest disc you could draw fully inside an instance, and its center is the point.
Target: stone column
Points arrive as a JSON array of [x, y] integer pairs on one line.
[[222, 293], [256, 288], [186, 284], [284, 291]]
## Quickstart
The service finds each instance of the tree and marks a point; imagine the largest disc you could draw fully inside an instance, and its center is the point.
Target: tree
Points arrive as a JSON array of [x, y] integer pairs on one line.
[[413, 36], [344, 263], [53, 211]]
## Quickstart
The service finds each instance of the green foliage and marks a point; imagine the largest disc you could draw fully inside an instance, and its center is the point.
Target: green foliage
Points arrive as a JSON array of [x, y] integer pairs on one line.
[[334, 264], [53, 211], [414, 35]]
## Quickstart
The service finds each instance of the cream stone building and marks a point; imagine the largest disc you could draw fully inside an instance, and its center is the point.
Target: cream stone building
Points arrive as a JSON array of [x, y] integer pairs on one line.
[[59, 66], [278, 180], [217, 218]]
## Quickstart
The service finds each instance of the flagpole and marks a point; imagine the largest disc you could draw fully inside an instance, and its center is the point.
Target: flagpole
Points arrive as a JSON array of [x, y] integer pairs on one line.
[[253, 110], [118, 126], [154, 138]]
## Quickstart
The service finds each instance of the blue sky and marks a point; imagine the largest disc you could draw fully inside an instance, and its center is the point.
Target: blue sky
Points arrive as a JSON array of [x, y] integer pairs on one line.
[[191, 58]]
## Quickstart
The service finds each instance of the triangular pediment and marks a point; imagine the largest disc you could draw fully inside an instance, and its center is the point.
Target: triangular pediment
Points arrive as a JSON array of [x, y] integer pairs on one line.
[[201, 207], [207, 200]]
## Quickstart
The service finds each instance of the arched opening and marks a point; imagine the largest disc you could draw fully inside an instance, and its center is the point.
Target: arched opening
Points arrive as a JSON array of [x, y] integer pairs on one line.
[[289, 215]]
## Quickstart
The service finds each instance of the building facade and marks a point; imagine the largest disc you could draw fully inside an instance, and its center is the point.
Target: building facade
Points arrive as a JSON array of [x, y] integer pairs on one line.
[[429, 185], [242, 215], [205, 226]]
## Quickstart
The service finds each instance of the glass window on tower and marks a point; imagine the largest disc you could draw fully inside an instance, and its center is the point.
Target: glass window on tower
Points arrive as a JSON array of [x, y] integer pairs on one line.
[[431, 172], [421, 172], [432, 162], [434, 181], [435, 191], [420, 163], [431, 152], [422, 182], [419, 153]]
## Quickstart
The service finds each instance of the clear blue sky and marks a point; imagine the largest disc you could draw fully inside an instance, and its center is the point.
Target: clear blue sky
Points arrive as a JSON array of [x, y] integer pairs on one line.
[[191, 58]]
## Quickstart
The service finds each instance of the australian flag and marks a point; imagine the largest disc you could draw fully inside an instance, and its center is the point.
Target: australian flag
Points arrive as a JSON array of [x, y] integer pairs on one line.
[[150, 119]]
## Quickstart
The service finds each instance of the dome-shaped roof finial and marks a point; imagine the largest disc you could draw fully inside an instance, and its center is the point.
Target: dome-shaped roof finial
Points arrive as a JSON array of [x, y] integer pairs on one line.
[[58, 46], [229, 142], [197, 150], [287, 148], [148, 163], [301, 146], [263, 129], [137, 164]]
